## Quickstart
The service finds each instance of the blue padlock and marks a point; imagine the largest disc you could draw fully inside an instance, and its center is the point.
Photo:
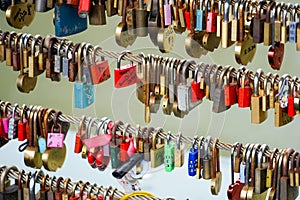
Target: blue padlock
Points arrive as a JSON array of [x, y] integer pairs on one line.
[[193, 158], [83, 93], [67, 22]]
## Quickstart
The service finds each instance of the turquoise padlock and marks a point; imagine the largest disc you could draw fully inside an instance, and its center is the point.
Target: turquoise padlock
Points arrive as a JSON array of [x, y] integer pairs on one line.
[[169, 154], [83, 93], [200, 25]]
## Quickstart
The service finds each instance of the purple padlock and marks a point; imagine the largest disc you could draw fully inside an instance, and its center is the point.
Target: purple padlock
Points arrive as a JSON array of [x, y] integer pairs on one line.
[[6, 117], [167, 13]]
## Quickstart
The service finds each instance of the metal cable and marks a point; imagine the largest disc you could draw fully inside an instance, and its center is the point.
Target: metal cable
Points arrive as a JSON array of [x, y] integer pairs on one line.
[[134, 131], [99, 190]]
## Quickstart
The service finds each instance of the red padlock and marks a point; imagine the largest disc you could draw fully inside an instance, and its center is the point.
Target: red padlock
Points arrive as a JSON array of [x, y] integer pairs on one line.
[[187, 17], [125, 75], [291, 97], [92, 152], [84, 8], [124, 145], [22, 124], [230, 89], [245, 92], [80, 132], [211, 20], [197, 92], [99, 70]]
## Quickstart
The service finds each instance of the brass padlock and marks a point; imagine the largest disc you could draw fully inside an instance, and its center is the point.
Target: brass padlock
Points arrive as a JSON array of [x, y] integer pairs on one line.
[[157, 150], [147, 144], [179, 152], [207, 161], [261, 171], [257, 115], [216, 179]]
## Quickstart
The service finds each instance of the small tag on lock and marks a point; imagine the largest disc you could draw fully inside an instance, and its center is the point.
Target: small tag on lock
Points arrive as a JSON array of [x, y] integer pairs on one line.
[[55, 140], [100, 72], [94, 142]]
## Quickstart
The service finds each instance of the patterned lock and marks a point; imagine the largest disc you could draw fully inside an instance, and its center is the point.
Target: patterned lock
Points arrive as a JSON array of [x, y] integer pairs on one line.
[[125, 75], [55, 140]]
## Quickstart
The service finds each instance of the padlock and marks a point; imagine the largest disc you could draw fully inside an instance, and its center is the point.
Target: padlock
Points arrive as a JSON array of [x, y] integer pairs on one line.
[[124, 145], [141, 84], [230, 89], [219, 94], [41, 6], [184, 89], [193, 158], [258, 23], [286, 191], [16, 57], [197, 92], [67, 22], [6, 116], [80, 132], [243, 165], [293, 169], [245, 91], [157, 150], [200, 16], [84, 8], [293, 28], [179, 152], [22, 124], [235, 188], [33, 64], [58, 57], [268, 30], [97, 13], [187, 16], [55, 140], [261, 171], [3, 46], [167, 13], [257, 115], [216, 179], [115, 146], [83, 93], [125, 75], [66, 60], [9, 49], [291, 97], [247, 172], [226, 26], [285, 23], [200, 157], [271, 168], [265, 96], [278, 22], [86, 64], [235, 27], [99, 69], [281, 117], [207, 162], [169, 154], [273, 91], [50, 62], [13, 123], [141, 20], [147, 145], [11, 191], [211, 21]]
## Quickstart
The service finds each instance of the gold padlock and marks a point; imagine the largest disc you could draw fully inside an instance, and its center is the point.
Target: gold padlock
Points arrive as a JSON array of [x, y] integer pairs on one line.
[[157, 150]]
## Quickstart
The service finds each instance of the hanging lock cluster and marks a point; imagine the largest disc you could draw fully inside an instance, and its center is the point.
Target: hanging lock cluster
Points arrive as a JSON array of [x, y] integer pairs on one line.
[[45, 136], [34, 55]]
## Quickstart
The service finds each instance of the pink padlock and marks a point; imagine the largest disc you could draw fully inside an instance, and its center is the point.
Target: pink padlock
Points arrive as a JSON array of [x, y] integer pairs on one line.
[[167, 14], [55, 140], [6, 117], [131, 149]]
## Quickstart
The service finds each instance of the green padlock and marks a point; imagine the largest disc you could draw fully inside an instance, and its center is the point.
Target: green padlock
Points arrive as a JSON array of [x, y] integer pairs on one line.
[[169, 154]]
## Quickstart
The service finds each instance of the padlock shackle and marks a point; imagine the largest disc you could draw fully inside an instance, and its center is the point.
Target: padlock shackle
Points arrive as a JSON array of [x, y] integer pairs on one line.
[[18, 39], [260, 155], [120, 57], [79, 60], [271, 6], [178, 140], [34, 42], [236, 9], [254, 163], [100, 124], [247, 161], [28, 38], [226, 8], [4, 176], [256, 82], [3, 37], [228, 77], [233, 149], [146, 133], [266, 81], [86, 53], [155, 136], [207, 150], [89, 126], [10, 38], [114, 131], [14, 110], [46, 122], [221, 77], [293, 158], [52, 41], [215, 158], [185, 70]]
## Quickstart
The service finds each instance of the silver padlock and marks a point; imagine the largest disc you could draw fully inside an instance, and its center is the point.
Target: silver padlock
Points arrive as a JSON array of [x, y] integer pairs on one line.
[[184, 90], [40, 5], [219, 95], [58, 58], [171, 70], [66, 60]]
